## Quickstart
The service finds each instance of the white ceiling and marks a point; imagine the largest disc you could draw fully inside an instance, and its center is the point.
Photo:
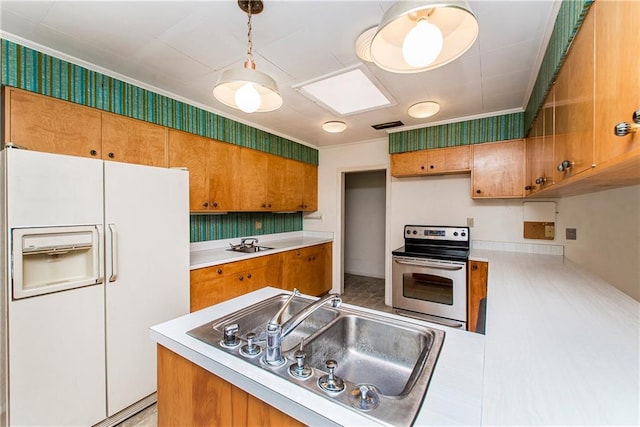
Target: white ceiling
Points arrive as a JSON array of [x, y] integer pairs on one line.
[[180, 48]]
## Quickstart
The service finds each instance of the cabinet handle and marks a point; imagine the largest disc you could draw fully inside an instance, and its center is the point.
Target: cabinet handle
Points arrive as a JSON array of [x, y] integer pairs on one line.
[[474, 267], [111, 155], [93, 152], [422, 167], [269, 205], [624, 128], [478, 191], [219, 271], [248, 276], [528, 187], [431, 167], [241, 278], [205, 205], [565, 165], [264, 205], [541, 180], [215, 204]]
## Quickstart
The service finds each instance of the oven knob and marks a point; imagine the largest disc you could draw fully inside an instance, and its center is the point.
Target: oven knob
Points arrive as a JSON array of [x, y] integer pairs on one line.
[[408, 231], [415, 231], [455, 233], [463, 234]]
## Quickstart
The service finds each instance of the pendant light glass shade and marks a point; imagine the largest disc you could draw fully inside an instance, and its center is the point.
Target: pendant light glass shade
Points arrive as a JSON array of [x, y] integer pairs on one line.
[[249, 81], [409, 23], [247, 89]]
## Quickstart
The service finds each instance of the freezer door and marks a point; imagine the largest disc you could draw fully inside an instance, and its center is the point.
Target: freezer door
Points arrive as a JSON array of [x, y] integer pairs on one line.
[[45, 189], [147, 234]]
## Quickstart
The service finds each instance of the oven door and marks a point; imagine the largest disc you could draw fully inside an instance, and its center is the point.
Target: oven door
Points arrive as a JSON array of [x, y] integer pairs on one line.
[[433, 287]]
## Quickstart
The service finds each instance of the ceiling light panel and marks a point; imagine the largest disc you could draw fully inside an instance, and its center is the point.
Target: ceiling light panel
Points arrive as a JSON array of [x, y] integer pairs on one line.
[[347, 93]]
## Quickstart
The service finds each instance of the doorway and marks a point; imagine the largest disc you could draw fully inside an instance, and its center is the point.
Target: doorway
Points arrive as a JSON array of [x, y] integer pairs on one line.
[[364, 232]]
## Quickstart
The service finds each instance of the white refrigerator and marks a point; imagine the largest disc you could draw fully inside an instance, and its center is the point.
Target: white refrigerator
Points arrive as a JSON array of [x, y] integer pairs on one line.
[[75, 346]]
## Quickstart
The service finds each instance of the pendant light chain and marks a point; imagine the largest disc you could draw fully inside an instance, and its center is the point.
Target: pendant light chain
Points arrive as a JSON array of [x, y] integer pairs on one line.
[[249, 41]]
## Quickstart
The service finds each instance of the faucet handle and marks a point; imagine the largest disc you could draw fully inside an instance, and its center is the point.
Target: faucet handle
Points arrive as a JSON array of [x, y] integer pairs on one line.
[[331, 383], [230, 332], [251, 348], [299, 369]]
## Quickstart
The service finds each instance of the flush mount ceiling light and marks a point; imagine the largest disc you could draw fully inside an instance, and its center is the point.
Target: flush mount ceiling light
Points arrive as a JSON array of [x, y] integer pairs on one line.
[[248, 89], [424, 109], [334, 126], [415, 36]]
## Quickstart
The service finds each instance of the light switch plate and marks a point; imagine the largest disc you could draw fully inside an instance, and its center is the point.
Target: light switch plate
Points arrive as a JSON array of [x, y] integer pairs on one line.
[[571, 234]]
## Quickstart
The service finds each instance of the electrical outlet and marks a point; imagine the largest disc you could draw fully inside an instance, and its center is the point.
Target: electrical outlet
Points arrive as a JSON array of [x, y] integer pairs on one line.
[[570, 234], [258, 225], [470, 222]]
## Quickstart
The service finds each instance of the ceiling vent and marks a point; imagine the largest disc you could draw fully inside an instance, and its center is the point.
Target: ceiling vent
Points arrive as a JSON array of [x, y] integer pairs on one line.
[[387, 125]]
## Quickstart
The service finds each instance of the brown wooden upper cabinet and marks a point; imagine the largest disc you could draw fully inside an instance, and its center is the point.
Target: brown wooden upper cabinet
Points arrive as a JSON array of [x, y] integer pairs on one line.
[[617, 81], [134, 141], [212, 167], [301, 185], [431, 162], [498, 170], [42, 123], [573, 151]]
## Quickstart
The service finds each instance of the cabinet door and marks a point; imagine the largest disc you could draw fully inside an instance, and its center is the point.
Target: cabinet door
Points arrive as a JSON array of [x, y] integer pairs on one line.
[[310, 193], [574, 105], [192, 152], [253, 180], [498, 169], [278, 198], [449, 160], [412, 163], [617, 90], [534, 152], [133, 141], [306, 269], [295, 184], [41, 123], [478, 276], [223, 169]]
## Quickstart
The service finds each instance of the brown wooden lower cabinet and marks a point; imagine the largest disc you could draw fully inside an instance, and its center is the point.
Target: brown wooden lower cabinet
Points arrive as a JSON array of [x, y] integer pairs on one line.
[[189, 395], [478, 276], [308, 269]]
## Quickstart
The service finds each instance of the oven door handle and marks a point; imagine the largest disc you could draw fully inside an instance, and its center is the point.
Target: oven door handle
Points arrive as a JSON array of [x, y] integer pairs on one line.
[[432, 265]]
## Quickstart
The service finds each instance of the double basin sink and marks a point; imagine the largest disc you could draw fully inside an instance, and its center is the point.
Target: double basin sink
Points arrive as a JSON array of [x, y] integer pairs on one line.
[[385, 363]]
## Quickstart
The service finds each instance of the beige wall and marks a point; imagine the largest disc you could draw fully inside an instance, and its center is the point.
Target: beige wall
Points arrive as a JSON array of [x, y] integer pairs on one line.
[[607, 226], [611, 217]]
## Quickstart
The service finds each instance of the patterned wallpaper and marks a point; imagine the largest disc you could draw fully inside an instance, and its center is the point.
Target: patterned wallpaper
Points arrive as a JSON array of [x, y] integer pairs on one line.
[[496, 128], [38, 72]]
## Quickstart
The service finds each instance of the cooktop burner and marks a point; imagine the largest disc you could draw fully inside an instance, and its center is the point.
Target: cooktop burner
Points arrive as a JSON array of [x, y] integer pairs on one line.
[[437, 242]]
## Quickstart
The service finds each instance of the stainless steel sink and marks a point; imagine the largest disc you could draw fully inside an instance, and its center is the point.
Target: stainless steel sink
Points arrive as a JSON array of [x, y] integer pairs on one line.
[[373, 351], [249, 249], [385, 363]]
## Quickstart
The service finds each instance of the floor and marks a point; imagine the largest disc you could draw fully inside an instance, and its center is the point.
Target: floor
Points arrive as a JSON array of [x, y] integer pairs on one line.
[[358, 290]]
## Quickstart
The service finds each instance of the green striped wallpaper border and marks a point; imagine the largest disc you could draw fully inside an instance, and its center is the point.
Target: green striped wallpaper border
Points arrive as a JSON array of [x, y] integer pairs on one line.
[[568, 22], [495, 128], [34, 71], [232, 225]]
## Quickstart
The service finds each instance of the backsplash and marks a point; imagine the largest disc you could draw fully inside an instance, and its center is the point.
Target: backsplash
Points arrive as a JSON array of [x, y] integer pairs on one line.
[[242, 224], [496, 128]]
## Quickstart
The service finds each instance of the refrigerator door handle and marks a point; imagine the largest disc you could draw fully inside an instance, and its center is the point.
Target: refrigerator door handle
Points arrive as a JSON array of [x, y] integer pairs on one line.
[[114, 253], [100, 233]]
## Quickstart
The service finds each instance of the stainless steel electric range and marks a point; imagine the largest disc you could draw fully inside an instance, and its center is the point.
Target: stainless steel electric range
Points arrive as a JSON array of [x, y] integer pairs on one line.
[[429, 274]]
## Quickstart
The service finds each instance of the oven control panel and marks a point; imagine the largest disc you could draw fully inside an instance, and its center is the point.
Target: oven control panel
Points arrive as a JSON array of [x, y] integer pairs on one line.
[[430, 232]]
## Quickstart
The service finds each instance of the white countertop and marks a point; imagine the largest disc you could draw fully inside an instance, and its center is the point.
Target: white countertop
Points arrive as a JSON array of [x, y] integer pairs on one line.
[[453, 397], [214, 252], [562, 346]]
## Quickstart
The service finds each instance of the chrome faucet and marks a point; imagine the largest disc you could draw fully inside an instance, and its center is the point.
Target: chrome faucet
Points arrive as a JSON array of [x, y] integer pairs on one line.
[[277, 331]]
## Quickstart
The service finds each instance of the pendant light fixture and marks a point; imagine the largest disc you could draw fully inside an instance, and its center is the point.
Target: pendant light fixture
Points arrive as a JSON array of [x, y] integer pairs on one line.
[[248, 89], [415, 36]]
